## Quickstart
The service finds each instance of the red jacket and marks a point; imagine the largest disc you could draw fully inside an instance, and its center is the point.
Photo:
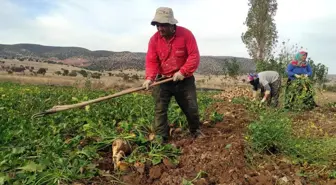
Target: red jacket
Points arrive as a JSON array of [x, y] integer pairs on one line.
[[166, 58]]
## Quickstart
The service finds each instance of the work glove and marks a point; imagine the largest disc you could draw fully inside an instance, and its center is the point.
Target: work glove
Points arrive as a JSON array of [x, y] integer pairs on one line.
[[297, 76], [305, 75], [178, 76], [262, 102], [147, 83], [264, 99]]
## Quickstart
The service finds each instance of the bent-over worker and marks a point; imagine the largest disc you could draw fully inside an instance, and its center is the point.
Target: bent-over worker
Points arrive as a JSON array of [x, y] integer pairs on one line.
[[172, 52], [269, 83]]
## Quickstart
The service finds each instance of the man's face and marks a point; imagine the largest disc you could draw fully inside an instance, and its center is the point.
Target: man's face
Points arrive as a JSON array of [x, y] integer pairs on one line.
[[165, 29]]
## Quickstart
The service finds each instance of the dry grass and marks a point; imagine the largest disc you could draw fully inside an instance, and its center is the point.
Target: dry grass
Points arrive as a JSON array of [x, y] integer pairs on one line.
[[203, 81], [324, 97], [107, 82], [52, 68], [118, 84]]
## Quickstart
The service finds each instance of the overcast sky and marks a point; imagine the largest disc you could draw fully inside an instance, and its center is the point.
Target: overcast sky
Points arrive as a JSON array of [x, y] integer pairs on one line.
[[121, 25]]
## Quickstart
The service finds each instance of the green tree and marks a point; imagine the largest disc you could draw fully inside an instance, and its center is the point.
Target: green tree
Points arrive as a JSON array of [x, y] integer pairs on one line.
[[73, 73], [285, 56], [261, 35], [231, 67], [58, 72], [320, 72], [83, 73], [271, 65], [287, 53], [279, 63], [65, 72]]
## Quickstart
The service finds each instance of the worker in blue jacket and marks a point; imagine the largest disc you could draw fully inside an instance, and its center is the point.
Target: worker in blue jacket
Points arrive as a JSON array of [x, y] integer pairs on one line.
[[299, 68]]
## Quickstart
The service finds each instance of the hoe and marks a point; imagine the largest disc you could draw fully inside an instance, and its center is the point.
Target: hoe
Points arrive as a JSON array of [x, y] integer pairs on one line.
[[59, 108]]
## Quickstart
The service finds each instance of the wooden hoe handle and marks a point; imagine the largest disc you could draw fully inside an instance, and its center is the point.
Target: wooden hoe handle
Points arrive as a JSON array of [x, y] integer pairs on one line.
[[59, 108]]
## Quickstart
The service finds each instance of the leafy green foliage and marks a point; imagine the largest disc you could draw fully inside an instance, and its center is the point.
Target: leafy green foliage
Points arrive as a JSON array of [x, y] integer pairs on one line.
[[199, 175], [272, 133], [267, 134], [299, 95], [252, 106], [62, 147], [312, 150], [231, 67], [261, 34], [216, 117], [154, 153], [320, 72], [286, 55], [271, 65]]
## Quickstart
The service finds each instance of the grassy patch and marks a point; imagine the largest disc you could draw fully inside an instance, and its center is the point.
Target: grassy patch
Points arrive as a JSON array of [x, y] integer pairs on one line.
[[63, 147], [272, 133]]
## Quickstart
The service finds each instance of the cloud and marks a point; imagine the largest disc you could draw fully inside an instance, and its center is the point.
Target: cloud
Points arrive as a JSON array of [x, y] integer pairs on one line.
[[120, 25]]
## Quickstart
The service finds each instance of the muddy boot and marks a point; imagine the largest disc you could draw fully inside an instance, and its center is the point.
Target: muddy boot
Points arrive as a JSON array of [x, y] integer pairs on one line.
[[197, 134]]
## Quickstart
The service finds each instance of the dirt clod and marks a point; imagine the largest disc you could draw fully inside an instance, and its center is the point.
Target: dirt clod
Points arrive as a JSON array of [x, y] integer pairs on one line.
[[155, 172], [201, 181], [169, 164], [140, 167]]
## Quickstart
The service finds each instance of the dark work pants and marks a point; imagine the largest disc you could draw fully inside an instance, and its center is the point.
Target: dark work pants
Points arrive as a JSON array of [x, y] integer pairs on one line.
[[273, 100], [185, 95]]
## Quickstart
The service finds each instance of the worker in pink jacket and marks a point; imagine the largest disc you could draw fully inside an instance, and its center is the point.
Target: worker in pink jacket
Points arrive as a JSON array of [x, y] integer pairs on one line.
[[172, 52]]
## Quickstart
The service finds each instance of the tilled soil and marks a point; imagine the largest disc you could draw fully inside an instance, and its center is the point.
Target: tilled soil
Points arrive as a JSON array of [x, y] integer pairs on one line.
[[220, 154]]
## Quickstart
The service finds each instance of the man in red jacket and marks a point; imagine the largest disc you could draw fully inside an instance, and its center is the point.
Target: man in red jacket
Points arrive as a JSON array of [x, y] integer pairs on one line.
[[172, 52]]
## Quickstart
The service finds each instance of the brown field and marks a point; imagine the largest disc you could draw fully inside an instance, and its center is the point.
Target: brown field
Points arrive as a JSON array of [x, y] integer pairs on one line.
[[107, 82]]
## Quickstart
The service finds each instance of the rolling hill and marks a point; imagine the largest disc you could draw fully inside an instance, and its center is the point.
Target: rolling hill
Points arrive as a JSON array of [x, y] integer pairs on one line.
[[107, 60]]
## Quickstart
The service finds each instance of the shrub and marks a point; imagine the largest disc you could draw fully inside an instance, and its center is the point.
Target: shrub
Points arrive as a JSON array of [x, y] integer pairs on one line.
[[299, 95], [270, 134]]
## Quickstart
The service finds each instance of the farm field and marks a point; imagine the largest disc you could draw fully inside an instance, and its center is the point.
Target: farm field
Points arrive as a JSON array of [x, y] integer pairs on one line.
[[116, 79], [243, 144]]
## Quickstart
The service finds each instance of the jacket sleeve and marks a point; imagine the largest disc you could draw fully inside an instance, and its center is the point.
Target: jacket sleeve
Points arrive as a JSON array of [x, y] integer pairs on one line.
[[193, 60], [265, 84], [289, 70], [152, 63], [309, 70]]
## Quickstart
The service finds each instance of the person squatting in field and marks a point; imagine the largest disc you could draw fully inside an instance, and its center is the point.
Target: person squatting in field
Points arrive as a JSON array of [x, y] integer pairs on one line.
[[269, 83], [299, 68], [172, 52]]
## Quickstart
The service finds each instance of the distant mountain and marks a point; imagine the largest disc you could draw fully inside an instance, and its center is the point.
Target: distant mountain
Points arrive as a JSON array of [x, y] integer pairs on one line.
[[107, 60]]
